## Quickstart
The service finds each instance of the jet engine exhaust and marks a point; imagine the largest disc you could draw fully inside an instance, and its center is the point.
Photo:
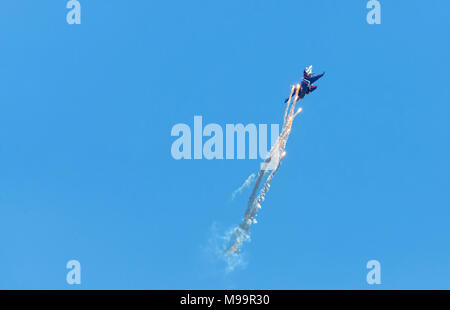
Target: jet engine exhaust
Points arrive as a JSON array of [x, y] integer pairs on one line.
[[269, 167]]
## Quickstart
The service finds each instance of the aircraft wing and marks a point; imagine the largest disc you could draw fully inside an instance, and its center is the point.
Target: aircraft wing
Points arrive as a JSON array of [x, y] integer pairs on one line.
[[315, 78]]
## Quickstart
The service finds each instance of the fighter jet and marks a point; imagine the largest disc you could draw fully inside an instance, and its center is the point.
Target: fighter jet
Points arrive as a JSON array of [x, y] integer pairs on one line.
[[306, 86]]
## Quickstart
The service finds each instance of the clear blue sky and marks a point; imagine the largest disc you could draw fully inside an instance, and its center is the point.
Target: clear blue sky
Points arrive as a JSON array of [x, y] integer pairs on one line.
[[86, 171]]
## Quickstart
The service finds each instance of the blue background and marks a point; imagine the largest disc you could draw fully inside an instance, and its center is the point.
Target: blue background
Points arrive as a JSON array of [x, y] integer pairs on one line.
[[86, 171]]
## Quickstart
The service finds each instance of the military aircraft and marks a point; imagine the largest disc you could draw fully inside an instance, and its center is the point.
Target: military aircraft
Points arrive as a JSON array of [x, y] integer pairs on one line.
[[306, 86]]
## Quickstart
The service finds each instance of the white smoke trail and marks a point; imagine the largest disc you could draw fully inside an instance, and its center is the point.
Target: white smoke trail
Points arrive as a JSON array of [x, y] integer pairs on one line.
[[216, 246], [272, 163], [244, 185]]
